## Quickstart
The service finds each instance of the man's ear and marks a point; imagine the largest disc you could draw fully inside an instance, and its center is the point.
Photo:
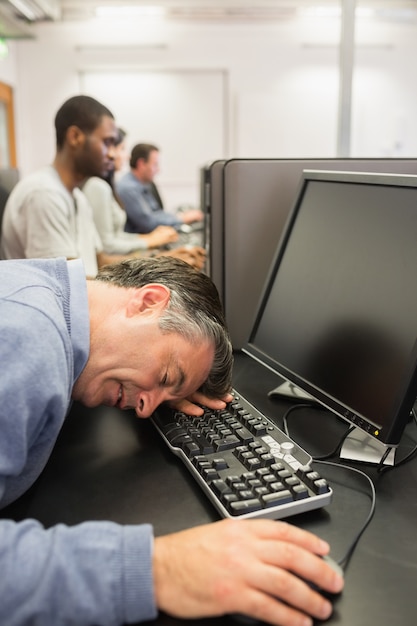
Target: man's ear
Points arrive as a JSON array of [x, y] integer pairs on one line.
[[148, 299], [74, 136]]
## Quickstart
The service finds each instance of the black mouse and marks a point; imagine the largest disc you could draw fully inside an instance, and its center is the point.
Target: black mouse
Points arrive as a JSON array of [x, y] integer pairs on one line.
[[338, 569], [245, 620]]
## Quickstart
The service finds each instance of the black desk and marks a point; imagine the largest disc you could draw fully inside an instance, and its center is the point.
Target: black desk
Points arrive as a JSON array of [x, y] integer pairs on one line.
[[108, 464]]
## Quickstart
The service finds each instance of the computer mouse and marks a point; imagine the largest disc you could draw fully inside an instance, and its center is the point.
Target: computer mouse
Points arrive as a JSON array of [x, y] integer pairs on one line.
[[245, 620], [338, 569], [334, 565]]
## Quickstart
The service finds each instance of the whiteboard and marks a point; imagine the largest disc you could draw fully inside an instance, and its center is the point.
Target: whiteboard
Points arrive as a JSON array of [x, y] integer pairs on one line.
[[183, 112]]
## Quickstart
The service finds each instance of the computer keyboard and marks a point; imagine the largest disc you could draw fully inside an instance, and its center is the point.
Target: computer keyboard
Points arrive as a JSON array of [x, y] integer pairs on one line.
[[246, 466]]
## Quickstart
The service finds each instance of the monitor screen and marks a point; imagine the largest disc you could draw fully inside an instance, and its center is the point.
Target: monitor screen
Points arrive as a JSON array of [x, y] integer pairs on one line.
[[338, 314]]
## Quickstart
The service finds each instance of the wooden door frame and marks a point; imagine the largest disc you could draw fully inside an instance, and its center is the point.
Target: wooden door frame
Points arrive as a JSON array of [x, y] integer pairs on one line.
[[6, 96]]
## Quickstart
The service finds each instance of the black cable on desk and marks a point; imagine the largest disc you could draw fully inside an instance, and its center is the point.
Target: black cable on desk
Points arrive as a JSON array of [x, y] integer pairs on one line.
[[344, 561]]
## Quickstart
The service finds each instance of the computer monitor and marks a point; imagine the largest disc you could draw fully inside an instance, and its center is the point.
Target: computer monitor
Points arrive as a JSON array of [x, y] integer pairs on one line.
[[248, 203], [338, 312]]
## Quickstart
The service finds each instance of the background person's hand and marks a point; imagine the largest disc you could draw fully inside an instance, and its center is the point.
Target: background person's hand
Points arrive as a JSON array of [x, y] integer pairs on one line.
[[160, 236], [191, 215], [193, 255], [252, 567]]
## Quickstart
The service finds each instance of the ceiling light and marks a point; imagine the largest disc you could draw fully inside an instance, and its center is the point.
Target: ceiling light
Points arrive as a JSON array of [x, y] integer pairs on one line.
[[130, 11]]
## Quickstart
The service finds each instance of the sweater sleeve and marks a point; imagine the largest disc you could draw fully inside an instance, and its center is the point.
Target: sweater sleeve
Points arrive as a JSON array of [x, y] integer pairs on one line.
[[106, 218], [91, 573]]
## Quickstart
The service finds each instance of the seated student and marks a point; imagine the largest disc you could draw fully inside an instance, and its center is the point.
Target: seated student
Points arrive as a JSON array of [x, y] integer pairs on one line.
[[136, 190], [46, 214], [110, 217], [145, 331]]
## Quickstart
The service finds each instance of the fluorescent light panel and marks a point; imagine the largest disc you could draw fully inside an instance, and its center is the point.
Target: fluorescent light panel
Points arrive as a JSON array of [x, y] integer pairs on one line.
[[26, 8], [130, 11]]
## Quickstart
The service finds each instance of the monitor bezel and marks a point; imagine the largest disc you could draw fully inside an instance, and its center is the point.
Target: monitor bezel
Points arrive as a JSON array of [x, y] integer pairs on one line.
[[390, 434]]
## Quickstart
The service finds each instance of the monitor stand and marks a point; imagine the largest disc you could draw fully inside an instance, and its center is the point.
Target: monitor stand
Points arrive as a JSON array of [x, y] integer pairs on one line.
[[291, 391], [358, 446]]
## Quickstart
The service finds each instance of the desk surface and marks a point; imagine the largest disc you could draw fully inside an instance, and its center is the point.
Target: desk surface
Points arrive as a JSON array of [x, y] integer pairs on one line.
[[108, 464]]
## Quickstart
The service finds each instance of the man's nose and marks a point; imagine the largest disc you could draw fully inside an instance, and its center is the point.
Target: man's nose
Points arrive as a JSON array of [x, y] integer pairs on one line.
[[147, 402], [111, 152]]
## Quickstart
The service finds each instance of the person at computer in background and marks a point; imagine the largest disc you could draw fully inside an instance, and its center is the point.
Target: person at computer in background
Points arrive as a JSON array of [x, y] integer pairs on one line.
[[47, 214], [110, 217], [145, 331], [136, 190]]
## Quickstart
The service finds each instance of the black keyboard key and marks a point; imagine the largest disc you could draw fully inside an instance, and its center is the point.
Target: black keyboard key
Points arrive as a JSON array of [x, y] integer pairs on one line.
[[220, 487], [203, 465], [227, 443], [255, 482], [277, 498], [252, 463], [300, 492], [209, 474], [244, 435], [190, 448], [277, 486], [258, 429], [249, 476], [246, 494], [228, 498], [263, 471], [320, 486], [220, 464], [244, 506], [233, 479], [267, 459], [205, 446], [269, 478], [292, 481]]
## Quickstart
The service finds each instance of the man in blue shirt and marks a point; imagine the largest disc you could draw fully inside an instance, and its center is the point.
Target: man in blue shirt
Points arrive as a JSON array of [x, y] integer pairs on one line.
[[143, 332], [137, 192]]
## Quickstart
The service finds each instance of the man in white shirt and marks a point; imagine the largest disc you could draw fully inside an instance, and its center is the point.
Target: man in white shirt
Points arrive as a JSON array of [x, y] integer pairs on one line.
[[46, 215]]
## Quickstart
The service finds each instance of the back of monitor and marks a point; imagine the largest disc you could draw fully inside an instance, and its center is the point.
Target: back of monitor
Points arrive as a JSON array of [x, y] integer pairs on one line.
[[212, 206]]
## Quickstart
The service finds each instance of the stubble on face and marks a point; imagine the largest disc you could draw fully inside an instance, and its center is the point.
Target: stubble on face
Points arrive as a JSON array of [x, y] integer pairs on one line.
[[95, 157]]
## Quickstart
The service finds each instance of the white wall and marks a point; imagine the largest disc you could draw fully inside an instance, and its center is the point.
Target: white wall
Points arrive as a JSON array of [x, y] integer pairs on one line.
[[281, 82], [8, 65]]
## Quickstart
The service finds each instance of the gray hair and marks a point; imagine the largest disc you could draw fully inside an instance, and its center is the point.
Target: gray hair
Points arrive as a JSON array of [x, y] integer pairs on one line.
[[194, 310]]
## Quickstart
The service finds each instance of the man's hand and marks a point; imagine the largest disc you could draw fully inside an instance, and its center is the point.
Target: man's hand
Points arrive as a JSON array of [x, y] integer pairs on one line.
[[192, 404], [254, 567]]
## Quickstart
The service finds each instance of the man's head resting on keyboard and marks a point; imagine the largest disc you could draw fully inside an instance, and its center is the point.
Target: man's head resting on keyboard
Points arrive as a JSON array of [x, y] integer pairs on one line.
[[158, 334]]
